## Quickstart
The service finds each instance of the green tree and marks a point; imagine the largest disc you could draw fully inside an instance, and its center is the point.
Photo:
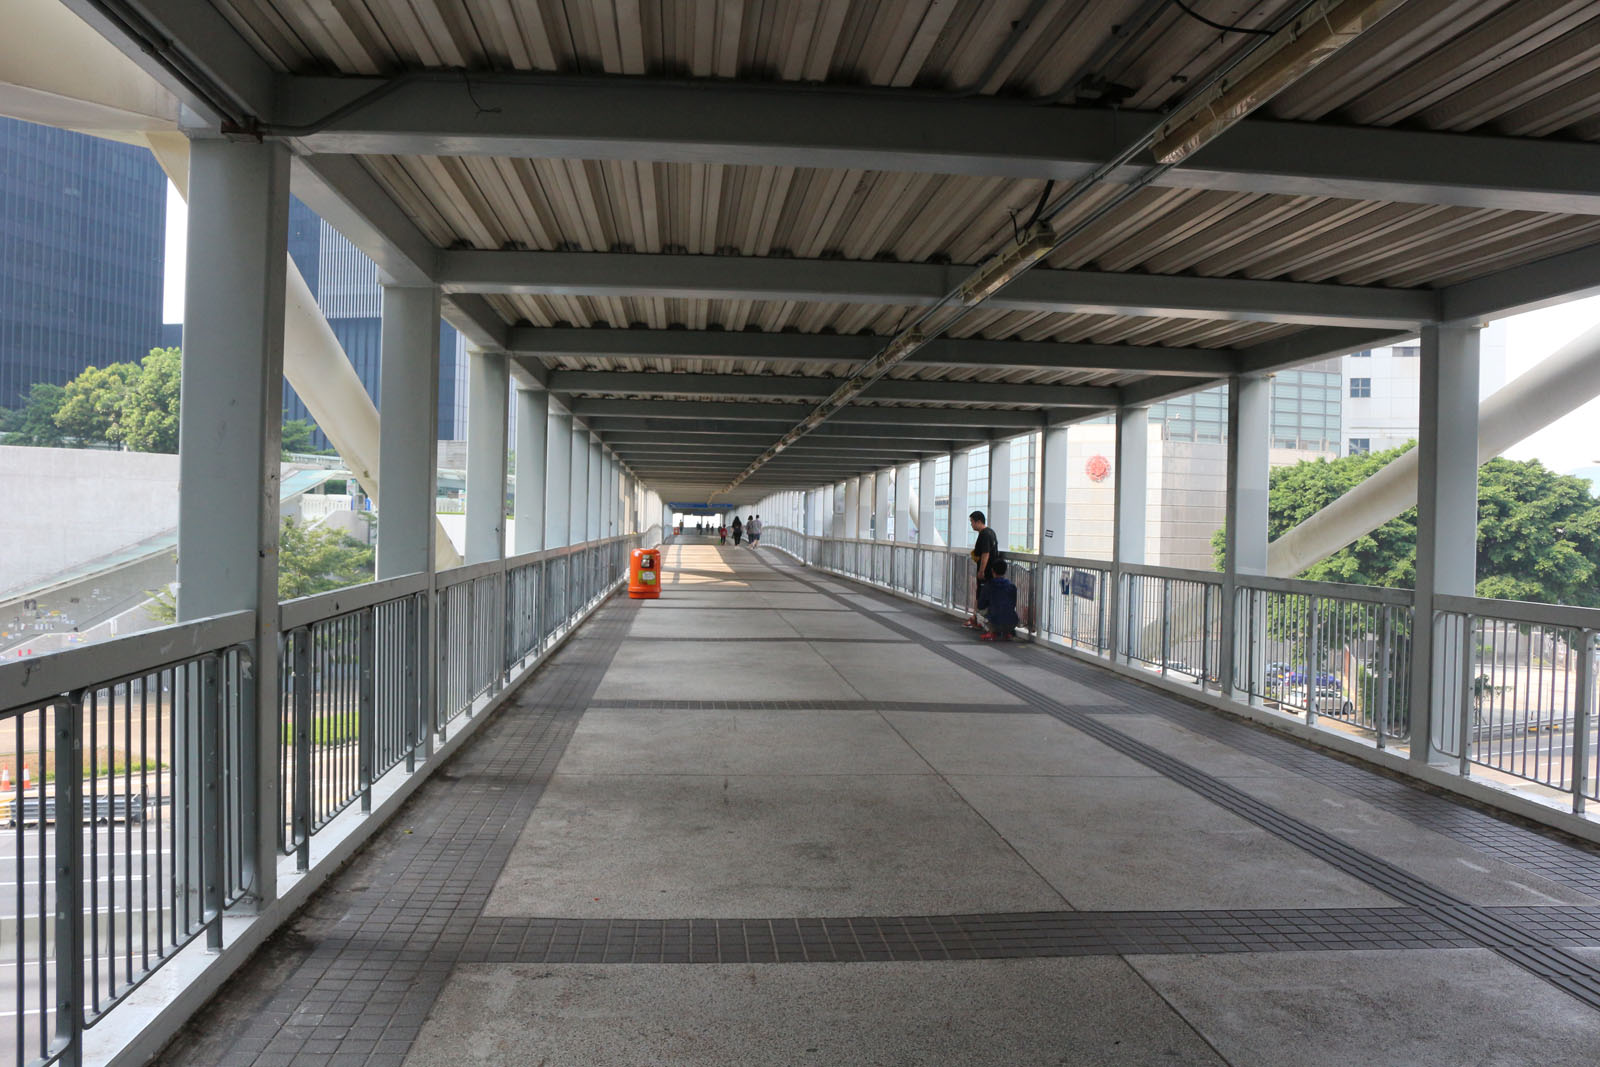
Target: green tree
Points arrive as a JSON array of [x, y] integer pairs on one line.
[[310, 560], [94, 400], [317, 559], [1538, 531], [35, 422], [297, 435], [147, 421]]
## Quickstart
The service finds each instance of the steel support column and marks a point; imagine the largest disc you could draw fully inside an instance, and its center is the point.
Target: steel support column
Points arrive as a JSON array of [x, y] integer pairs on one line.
[[231, 418], [578, 490], [558, 478], [487, 384], [1245, 528], [998, 512], [408, 430], [533, 445], [904, 505], [1132, 471], [927, 504], [880, 504], [1053, 492], [1447, 513]]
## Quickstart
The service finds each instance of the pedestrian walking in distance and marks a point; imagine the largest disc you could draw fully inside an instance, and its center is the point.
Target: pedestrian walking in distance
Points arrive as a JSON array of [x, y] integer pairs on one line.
[[738, 531], [753, 529]]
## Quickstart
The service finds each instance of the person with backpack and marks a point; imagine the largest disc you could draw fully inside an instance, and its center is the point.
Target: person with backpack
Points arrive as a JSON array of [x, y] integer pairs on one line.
[[738, 531], [985, 553]]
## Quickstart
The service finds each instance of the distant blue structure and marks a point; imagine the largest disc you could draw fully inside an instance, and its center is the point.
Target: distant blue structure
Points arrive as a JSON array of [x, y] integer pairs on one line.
[[82, 239]]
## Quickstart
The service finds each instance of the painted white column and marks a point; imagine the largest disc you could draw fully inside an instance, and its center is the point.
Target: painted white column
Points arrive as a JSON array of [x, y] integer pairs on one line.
[[597, 490], [999, 510], [960, 525], [904, 505], [578, 513], [1133, 475], [1245, 527], [1053, 492], [927, 506], [558, 478], [408, 430], [1131, 469], [231, 419], [1447, 516], [852, 508], [488, 383], [880, 504], [533, 446]]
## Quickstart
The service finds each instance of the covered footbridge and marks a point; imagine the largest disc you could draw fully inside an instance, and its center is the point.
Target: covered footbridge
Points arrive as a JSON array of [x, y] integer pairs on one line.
[[859, 269]]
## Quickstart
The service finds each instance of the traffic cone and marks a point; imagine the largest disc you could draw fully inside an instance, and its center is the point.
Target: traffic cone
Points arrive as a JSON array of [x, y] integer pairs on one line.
[[27, 777], [5, 779]]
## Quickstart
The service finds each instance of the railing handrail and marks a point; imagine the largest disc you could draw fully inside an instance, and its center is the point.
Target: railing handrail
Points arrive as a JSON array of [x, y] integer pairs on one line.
[[305, 610], [1371, 594], [1566, 615], [467, 572], [26, 682], [1178, 574], [1082, 563]]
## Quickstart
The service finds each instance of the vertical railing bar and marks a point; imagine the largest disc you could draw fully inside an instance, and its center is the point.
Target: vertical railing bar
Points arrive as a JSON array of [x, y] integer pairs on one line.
[[1582, 715], [211, 799], [69, 918], [1464, 694], [300, 810], [366, 724], [1384, 677]]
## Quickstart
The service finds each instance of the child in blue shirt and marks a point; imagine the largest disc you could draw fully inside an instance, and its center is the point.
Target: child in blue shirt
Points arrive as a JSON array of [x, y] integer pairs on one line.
[[1002, 614]]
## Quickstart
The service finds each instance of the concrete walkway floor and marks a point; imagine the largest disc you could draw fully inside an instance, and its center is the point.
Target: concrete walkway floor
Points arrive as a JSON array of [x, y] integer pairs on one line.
[[777, 818]]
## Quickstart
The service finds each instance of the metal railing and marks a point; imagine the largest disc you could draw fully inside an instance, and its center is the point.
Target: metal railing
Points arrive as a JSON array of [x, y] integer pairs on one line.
[[127, 765], [128, 769], [1169, 622], [1515, 691], [1076, 608], [1323, 650]]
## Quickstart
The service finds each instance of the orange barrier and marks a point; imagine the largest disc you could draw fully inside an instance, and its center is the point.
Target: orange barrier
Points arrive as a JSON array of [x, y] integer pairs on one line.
[[644, 574]]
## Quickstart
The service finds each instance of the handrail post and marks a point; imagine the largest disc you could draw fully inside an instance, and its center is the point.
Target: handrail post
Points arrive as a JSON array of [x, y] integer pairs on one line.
[[1166, 623], [1465, 694], [365, 747], [415, 656], [1311, 659], [69, 917], [1384, 677], [300, 818], [1582, 715], [211, 832], [1205, 637]]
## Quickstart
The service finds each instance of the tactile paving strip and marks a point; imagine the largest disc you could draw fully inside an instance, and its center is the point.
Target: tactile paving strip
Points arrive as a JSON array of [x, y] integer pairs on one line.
[[1499, 932]]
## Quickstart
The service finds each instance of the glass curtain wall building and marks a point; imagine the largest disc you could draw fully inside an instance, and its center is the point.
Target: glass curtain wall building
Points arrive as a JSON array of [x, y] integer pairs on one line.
[[82, 240]]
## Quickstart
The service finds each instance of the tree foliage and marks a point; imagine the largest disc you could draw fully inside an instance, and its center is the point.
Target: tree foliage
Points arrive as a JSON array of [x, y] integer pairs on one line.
[[297, 435], [94, 402], [35, 422], [315, 559], [148, 419], [1538, 531], [311, 559]]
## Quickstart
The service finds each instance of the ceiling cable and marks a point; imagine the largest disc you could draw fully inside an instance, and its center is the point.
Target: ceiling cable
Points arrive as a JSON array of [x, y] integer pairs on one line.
[[1317, 29]]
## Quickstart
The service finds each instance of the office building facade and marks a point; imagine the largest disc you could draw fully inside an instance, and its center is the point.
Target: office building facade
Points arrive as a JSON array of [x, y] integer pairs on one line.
[[82, 240]]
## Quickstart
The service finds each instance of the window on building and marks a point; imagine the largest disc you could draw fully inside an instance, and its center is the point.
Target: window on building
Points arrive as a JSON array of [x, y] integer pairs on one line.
[[1360, 387], [1360, 446], [1406, 351], [1365, 353]]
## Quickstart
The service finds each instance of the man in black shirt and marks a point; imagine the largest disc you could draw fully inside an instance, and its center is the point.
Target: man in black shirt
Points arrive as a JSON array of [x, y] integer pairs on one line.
[[985, 553]]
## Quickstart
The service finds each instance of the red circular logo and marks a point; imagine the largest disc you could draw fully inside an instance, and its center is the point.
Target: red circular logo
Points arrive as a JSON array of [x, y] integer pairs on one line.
[[1097, 468]]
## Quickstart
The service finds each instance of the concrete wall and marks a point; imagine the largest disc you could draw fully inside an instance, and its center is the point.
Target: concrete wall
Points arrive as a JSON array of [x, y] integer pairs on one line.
[[66, 506]]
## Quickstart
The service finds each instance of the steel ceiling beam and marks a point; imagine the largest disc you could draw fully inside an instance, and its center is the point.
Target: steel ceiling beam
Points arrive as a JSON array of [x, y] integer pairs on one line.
[[789, 348], [895, 389], [888, 130], [588, 407], [684, 430], [349, 198], [618, 274]]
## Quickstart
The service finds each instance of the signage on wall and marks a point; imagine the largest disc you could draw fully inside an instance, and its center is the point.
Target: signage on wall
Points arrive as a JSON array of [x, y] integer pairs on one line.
[[1097, 468]]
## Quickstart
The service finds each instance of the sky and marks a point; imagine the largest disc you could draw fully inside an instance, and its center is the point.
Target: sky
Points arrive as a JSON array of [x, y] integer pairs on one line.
[[1565, 445]]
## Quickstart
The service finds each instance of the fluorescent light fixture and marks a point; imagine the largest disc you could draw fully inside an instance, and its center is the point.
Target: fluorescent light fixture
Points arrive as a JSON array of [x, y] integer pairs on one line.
[[1313, 37], [1004, 268]]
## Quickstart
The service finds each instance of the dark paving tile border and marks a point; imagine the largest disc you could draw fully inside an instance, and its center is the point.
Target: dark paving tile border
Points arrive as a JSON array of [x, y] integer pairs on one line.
[[1559, 859], [1500, 932], [814, 705], [914, 938], [797, 639], [349, 983]]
